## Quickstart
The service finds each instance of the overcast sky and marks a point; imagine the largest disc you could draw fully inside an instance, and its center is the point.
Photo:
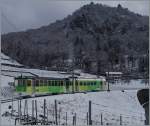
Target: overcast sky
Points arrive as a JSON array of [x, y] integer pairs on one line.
[[18, 15]]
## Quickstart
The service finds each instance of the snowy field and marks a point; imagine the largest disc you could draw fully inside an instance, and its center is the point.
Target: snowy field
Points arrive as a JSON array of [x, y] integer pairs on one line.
[[110, 104], [130, 85]]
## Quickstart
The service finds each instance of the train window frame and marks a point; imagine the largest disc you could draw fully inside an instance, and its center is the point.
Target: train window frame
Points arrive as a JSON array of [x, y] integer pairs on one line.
[[41, 83], [53, 84], [23, 82], [49, 82], [61, 83], [29, 84], [19, 80], [37, 83], [89, 83], [58, 83], [44, 82]]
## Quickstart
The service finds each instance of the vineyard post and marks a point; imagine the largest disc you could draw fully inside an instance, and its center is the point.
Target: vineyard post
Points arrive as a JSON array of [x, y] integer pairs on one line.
[[87, 116], [90, 120], [44, 107], [101, 119], [120, 119], [75, 118], [56, 112], [36, 110], [32, 110], [66, 118]]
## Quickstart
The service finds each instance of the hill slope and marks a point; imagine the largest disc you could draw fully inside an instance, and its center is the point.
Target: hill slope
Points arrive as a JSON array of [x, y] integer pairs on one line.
[[92, 36]]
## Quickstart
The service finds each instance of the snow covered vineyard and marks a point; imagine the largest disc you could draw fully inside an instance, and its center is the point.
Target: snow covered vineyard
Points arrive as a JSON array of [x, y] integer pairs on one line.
[[107, 108]]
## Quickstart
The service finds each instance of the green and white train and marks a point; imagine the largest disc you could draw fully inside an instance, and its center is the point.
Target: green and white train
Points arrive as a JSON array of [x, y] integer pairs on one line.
[[44, 85]]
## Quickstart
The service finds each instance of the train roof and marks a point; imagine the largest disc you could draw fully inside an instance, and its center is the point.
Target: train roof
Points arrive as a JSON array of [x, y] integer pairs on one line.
[[46, 78], [102, 79], [61, 76]]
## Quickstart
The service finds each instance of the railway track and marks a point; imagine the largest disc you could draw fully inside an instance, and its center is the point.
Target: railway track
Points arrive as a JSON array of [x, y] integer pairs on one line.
[[44, 95]]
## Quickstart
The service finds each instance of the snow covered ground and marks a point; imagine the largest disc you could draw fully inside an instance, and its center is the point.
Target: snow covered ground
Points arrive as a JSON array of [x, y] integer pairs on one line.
[[130, 85], [7, 60], [110, 104]]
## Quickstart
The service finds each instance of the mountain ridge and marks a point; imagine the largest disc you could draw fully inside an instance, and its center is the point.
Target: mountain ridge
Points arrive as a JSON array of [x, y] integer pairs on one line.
[[95, 33]]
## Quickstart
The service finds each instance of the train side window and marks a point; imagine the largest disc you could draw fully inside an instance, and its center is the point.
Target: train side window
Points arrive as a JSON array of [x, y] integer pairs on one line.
[[37, 83], [58, 83], [94, 83], [61, 83], [23, 82], [29, 82], [80, 83], [87, 83], [49, 83], [70, 83], [45, 83], [41, 82], [84, 83], [52, 83], [55, 83], [19, 82]]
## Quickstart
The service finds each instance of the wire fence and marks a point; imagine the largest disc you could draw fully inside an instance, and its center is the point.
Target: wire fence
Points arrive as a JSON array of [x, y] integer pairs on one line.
[[55, 113]]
